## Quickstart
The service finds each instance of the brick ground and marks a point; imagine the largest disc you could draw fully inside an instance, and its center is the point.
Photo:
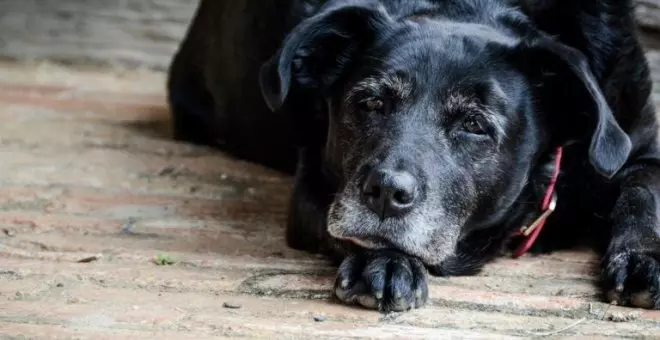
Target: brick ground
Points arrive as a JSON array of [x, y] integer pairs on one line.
[[88, 171]]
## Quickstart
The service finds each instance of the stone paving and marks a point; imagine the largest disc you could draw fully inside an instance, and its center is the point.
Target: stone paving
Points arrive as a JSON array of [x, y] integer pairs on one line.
[[110, 230]]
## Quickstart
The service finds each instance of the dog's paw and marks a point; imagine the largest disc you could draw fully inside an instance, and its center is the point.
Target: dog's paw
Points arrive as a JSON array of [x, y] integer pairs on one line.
[[384, 280], [632, 279]]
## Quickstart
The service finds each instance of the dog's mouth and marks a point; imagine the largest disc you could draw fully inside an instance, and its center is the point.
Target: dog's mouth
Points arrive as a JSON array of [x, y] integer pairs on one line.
[[369, 242], [424, 233]]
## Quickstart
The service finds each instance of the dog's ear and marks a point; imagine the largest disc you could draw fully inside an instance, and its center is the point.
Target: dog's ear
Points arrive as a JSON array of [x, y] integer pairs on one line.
[[319, 50], [568, 85]]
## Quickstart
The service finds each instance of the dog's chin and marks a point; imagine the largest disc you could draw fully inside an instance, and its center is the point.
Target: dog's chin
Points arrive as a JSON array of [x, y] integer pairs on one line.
[[432, 240]]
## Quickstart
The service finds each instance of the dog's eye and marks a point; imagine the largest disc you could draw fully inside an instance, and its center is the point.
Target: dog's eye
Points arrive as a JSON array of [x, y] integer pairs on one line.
[[473, 125], [372, 105]]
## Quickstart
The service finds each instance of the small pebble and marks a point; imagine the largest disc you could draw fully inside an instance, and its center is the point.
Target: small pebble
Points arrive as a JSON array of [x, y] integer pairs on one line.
[[90, 259], [319, 318], [170, 170], [231, 305], [73, 300], [59, 285]]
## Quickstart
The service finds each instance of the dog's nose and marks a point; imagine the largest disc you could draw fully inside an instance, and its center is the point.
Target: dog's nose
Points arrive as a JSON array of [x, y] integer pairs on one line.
[[390, 193]]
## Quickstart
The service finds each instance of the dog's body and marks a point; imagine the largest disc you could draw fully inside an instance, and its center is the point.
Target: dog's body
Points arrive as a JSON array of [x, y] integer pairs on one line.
[[422, 132]]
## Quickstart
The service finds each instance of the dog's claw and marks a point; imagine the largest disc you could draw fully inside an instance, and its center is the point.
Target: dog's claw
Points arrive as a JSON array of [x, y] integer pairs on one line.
[[383, 280], [632, 279], [344, 284]]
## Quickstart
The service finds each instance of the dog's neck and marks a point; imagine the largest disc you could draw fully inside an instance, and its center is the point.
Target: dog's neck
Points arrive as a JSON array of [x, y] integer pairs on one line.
[[530, 231]]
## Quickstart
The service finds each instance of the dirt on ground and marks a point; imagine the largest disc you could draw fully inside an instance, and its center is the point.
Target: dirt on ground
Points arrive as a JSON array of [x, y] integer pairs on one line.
[[111, 230]]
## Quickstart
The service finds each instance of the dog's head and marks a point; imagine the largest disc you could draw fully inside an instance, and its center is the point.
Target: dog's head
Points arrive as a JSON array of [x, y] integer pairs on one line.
[[434, 125]]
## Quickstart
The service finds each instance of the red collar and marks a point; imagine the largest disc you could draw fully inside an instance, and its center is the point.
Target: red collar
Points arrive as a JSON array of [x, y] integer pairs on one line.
[[531, 232]]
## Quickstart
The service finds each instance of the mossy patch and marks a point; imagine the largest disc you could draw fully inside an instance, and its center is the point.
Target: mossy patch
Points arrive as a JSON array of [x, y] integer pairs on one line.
[[164, 259]]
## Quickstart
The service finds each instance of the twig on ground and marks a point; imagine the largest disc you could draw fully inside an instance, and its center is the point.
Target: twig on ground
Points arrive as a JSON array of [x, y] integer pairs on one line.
[[575, 324]]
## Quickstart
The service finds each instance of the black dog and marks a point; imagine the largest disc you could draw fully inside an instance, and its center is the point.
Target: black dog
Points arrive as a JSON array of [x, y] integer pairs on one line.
[[425, 133]]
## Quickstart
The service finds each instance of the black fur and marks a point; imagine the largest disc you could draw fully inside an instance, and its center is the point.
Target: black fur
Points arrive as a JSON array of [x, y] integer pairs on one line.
[[467, 99]]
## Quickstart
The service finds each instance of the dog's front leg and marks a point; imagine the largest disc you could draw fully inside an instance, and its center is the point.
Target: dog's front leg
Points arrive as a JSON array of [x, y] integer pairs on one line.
[[308, 209], [631, 265], [386, 280]]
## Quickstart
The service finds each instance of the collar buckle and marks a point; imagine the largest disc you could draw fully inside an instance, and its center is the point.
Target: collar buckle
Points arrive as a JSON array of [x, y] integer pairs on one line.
[[528, 230]]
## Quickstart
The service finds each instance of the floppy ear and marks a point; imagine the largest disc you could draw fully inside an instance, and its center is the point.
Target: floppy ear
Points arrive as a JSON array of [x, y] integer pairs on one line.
[[318, 51], [578, 89]]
